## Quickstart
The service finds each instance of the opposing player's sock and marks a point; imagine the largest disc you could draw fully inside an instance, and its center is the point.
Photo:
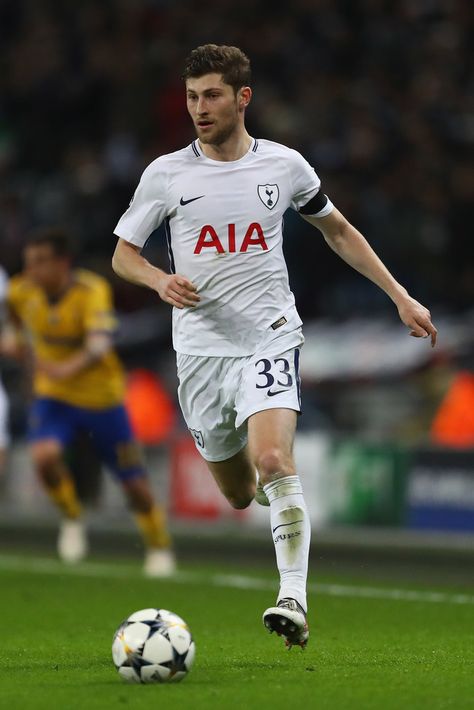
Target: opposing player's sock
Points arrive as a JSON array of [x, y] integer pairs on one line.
[[65, 497], [291, 536], [153, 527]]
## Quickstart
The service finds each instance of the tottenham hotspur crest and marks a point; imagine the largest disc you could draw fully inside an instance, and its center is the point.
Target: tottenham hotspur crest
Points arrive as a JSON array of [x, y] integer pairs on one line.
[[269, 195]]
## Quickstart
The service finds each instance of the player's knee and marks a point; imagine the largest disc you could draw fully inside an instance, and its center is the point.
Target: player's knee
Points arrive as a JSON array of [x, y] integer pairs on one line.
[[273, 463], [46, 458]]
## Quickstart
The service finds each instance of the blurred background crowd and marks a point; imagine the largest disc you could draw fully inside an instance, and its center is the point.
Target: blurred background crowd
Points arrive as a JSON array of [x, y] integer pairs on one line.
[[377, 95]]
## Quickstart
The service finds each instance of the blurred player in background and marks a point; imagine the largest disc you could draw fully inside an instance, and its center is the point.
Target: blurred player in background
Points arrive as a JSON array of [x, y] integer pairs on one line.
[[4, 436], [67, 320], [235, 326]]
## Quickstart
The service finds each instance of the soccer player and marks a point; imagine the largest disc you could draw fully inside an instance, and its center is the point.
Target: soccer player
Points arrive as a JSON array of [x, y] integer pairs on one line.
[[235, 326], [67, 317]]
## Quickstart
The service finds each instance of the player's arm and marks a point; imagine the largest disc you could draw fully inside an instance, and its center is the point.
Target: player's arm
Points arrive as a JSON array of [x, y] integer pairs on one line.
[[96, 346], [351, 246], [129, 264]]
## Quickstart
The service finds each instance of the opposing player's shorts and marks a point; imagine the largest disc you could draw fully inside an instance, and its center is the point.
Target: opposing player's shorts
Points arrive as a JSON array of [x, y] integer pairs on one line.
[[4, 437], [218, 394], [109, 429]]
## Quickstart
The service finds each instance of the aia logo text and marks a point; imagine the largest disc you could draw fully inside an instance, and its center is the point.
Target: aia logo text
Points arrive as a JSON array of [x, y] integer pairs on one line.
[[230, 242]]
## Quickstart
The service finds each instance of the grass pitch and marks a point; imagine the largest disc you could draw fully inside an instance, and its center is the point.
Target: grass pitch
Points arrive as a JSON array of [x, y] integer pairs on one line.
[[370, 648]]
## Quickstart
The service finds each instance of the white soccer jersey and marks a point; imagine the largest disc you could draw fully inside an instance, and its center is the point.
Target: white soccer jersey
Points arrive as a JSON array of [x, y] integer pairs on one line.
[[224, 224]]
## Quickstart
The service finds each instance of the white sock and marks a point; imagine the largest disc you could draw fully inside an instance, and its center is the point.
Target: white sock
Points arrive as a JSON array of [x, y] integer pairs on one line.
[[291, 532]]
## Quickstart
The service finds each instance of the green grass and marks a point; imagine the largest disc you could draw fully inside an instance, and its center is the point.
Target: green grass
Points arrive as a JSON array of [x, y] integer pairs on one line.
[[364, 653]]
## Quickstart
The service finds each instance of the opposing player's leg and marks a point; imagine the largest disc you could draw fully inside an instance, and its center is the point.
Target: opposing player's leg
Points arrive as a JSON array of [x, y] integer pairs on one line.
[[151, 520], [115, 443], [48, 459], [271, 435], [51, 428]]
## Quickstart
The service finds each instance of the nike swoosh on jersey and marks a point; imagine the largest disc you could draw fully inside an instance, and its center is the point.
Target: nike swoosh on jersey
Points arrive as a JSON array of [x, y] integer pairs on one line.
[[186, 202], [272, 394]]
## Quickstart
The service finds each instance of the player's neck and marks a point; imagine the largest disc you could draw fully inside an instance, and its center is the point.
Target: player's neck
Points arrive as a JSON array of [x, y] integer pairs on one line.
[[56, 291], [234, 148]]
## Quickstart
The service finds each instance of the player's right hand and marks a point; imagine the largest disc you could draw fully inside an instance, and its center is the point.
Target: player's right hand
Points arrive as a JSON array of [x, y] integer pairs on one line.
[[178, 291], [418, 318]]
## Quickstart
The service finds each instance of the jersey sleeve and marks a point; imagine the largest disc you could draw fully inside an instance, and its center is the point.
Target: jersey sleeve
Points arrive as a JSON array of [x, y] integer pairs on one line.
[[308, 198], [99, 315], [147, 209]]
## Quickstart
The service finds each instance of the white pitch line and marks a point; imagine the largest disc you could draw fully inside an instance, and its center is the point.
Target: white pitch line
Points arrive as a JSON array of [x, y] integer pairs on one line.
[[40, 565], [343, 590], [104, 570]]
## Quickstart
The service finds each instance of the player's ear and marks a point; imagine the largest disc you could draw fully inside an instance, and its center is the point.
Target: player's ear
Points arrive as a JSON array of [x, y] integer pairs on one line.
[[244, 96]]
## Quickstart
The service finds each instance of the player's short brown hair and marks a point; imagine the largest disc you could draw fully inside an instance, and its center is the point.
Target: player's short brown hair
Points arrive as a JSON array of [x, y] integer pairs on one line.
[[55, 237], [231, 62]]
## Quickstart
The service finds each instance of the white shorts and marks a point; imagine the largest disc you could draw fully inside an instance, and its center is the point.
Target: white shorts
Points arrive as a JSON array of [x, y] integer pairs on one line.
[[218, 394]]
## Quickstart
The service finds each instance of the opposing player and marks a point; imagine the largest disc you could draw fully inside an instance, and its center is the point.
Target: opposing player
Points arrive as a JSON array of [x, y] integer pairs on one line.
[[67, 317], [235, 326]]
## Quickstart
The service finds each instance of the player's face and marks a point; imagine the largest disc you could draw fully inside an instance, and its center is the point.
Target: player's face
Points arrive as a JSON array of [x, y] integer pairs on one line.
[[214, 108], [44, 267]]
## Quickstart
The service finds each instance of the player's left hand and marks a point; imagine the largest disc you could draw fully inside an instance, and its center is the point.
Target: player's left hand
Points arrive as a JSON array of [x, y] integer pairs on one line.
[[418, 318]]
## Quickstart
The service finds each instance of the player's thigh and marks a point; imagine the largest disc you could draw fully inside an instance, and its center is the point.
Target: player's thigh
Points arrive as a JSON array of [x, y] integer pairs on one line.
[[269, 382], [271, 434], [51, 426], [114, 441], [46, 451], [269, 401], [208, 387], [236, 478]]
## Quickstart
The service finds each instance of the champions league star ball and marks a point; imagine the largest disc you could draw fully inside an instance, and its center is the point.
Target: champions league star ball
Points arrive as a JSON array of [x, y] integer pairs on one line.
[[153, 646]]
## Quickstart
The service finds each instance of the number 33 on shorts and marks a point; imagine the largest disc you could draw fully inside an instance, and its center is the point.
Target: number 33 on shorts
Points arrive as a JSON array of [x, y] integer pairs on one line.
[[278, 377]]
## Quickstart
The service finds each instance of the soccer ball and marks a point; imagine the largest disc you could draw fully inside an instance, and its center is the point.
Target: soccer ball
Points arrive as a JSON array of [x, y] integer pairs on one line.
[[153, 646]]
